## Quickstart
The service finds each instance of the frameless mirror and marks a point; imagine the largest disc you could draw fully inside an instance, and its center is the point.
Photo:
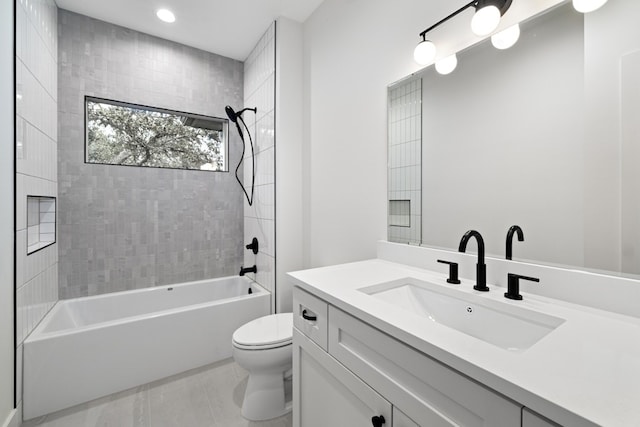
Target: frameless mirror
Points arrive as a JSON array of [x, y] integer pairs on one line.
[[543, 135]]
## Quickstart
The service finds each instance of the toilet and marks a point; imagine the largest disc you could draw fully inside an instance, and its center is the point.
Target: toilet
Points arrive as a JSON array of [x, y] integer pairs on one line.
[[264, 348]]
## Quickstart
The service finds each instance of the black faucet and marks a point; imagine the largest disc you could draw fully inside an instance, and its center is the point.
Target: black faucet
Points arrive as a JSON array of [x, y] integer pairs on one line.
[[513, 229], [481, 268], [245, 270]]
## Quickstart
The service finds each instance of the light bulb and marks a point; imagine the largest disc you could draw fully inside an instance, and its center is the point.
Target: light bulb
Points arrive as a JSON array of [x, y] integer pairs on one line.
[[425, 52], [447, 65], [166, 15], [506, 38], [586, 6], [485, 20]]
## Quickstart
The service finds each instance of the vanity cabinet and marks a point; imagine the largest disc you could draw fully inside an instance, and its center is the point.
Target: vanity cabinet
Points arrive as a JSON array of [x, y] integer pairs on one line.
[[427, 391], [366, 373]]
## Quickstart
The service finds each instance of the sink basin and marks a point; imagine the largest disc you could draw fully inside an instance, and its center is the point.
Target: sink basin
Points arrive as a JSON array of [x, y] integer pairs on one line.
[[504, 325]]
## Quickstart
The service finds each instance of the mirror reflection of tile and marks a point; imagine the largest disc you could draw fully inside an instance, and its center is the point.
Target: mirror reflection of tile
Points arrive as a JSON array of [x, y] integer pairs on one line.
[[404, 162]]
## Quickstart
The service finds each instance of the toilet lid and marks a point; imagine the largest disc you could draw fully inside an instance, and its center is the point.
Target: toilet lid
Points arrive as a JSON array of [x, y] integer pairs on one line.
[[266, 331]]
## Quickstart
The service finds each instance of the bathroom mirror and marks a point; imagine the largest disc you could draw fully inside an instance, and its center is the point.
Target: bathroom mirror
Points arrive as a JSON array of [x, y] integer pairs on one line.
[[543, 135]]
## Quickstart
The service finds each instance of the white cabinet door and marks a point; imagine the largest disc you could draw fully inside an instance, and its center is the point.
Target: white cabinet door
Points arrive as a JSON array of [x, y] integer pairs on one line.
[[531, 419], [326, 394], [401, 420]]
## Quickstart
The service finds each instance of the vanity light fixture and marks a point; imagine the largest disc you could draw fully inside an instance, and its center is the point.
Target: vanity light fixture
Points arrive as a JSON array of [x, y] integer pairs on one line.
[[447, 65], [487, 16], [484, 22], [425, 52], [586, 6], [506, 38], [166, 15]]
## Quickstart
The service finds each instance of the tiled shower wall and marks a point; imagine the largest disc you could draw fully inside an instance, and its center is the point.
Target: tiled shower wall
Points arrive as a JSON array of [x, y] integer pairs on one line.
[[36, 167], [259, 219], [404, 162], [123, 227]]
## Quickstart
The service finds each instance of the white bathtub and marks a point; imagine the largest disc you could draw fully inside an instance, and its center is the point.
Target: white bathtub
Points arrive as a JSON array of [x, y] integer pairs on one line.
[[90, 347]]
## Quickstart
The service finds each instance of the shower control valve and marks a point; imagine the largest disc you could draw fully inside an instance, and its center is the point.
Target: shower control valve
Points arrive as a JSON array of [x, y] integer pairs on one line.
[[253, 246]]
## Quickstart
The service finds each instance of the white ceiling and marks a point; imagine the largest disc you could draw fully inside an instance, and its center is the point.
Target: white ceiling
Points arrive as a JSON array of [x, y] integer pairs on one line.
[[227, 27]]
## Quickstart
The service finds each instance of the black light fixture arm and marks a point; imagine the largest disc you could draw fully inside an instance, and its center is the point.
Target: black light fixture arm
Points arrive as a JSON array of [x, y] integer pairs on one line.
[[502, 5], [442, 21]]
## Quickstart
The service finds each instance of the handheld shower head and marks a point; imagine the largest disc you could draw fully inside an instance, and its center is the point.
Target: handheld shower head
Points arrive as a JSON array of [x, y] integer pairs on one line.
[[233, 116]]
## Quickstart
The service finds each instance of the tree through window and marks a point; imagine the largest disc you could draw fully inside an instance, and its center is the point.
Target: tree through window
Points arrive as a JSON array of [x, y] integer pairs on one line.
[[132, 135]]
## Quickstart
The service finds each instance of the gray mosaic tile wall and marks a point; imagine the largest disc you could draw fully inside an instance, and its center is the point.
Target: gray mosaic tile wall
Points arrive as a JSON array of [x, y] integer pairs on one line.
[[126, 227]]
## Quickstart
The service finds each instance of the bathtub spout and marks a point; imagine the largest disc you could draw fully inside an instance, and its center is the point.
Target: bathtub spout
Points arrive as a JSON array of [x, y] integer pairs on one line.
[[246, 270]]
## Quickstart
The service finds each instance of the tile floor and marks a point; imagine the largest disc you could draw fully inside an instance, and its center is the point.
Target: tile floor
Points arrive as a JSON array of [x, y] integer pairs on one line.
[[210, 396]]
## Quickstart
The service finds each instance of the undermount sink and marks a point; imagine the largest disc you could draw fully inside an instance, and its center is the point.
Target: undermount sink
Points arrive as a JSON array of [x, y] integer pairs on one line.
[[504, 325]]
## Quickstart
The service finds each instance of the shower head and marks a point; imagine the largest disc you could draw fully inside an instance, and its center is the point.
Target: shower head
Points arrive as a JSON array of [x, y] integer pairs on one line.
[[231, 113], [233, 116]]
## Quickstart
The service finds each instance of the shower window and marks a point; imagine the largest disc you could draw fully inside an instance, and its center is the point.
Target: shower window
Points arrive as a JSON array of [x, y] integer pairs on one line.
[[118, 133]]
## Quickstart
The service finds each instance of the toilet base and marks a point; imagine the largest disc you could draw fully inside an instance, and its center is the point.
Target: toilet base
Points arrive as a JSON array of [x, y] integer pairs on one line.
[[265, 397]]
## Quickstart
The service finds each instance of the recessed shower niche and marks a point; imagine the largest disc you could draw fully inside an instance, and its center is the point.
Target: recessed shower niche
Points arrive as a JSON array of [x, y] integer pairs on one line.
[[41, 222]]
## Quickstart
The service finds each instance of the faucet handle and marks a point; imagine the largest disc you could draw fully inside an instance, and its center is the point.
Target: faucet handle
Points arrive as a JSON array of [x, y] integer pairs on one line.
[[513, 285], [453, 271]]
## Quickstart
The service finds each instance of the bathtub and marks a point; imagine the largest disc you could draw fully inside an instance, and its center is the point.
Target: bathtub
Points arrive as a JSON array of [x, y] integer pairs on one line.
[[90, 347]]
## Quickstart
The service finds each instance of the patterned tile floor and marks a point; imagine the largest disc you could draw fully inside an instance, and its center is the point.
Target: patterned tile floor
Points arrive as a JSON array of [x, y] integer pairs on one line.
[[210, 396]]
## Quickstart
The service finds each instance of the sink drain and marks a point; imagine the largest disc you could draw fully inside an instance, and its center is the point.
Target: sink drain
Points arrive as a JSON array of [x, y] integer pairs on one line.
[[469, 309]]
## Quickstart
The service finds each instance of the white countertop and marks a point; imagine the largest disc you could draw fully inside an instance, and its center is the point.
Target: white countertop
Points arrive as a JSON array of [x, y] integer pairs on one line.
[[585, 372]]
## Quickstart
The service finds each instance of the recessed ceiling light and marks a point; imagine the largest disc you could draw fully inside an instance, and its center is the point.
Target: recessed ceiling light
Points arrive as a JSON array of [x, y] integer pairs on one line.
[[166, 15]]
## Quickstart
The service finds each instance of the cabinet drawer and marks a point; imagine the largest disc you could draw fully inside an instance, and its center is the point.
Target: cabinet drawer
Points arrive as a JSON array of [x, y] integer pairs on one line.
[[427, 391], [310, 316]]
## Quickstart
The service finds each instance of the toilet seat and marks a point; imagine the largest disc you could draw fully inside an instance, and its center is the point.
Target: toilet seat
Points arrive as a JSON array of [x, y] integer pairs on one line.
[[273, 331]]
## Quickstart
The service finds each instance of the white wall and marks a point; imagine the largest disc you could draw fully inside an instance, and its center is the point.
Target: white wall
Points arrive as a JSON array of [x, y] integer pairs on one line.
[[7, 97], [353, 50], [289, 116]]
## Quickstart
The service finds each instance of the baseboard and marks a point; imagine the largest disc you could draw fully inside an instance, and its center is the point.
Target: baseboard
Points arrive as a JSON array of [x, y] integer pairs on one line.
[[15, 417]]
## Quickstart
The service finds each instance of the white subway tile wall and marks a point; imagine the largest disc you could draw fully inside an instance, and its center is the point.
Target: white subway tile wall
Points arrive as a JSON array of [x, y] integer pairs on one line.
[[404, 161], [36, 164], [259, 219]]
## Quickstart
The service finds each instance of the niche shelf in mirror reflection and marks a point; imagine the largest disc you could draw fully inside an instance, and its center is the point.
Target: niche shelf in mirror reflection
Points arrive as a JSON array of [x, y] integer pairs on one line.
[[400, 213], [41, 222]]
